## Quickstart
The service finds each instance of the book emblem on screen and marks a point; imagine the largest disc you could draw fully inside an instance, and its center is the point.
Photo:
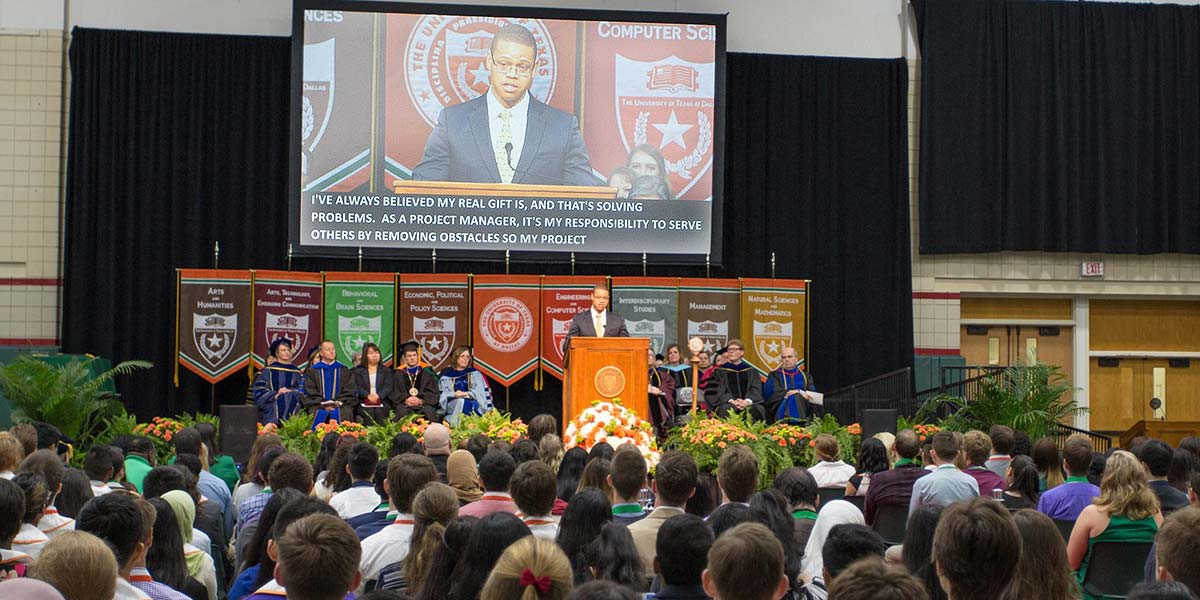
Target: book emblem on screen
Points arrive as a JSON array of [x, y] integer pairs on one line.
[[436, 337], [668, 104], [770, 339], [655, 330], [294, 328], [317, 103], [353, 332], [506, 324], [214, 336], [714, 333], [445, 60]]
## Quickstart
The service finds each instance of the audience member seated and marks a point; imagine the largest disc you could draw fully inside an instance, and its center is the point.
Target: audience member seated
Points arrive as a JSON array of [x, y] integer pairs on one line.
[[1126, 511], [730, 515], [1177, 547], [289, 470], [76, 490], [737, 474], [1042, 571], [1002, 445], [681, 549], [433, 509], [830, 471], [495, 471], [1065, 502], [436, 583], [977, 446], [140, 457], [30, 540], [489, 539], [872, 579], [463, 475], [674, 482], [221, 465], [975, 549], [13, 563], [49, 465], [524, 450], [257, 554], [836, 512], [383, 553], [381, 515], [437, 447], [257, 469], [1048, 461], [1021, 484], [746, 563], [946, 484], [189, 441], [800, 489], [11, 454], [627, 476], [613, 557], [845, 545], [530, 569], [1156, 461], [534, 488], [200, 564], [603, 590], [894, 487], [918, 547], [595, 476], [587, 513], [318, 554], [97, 465], [128, 528], [1160, 590], [80, 566], [27, 588], [872, 459], [335, 478], [290, 512], [360, 497]]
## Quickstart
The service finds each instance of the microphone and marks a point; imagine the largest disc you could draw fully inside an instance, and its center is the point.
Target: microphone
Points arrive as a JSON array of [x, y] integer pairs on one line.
[[508, 148]]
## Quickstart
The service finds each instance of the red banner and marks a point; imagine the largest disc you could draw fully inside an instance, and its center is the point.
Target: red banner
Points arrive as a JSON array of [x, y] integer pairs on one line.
[[212, 322], [286, 305], [563, 297], [505, 309], [434, 311]]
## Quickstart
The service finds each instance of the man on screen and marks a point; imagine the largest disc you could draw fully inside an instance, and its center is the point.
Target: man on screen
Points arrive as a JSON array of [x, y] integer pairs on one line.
[[505, 135]]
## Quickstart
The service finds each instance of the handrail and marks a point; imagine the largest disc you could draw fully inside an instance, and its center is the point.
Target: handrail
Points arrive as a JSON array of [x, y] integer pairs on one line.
[[875, 379]]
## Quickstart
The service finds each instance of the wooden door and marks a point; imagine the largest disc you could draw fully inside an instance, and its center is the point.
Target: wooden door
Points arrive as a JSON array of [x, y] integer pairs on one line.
[[1005, 345], [1120, 393]]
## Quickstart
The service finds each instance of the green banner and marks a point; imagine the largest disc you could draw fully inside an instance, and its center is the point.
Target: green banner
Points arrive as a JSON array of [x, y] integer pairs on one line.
[[360, 308]]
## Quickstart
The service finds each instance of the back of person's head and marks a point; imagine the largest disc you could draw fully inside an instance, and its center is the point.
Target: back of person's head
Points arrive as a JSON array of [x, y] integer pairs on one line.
[[329, 445], [872, 579], [613, 556], [1096, 470], [627, 474], [402, 443], [976, 548], [728, 516], [1022, 445], [872, 456], [37, 496], [361, 463], [1160, 590], [379, 478], [162, 479], [827, 448], [595, 475], [291, 470], [707, 496], [918, 537], [48, 436], [601, 450], [1178, 546], [208, 433], [12, 511], [977, 446], [1043, 570], [489, 539], [570, 470], [165, 559], [682, 547], [76, 491], [550, 451], [453, 542], [524, 450], [541, 426], [11, 451], [434, 506], [27, 435], [79, 565], [530, 569], [586, 513], [408, 473], [47, 464], [477, 445], [908, 444], [1183, 464], [98, 463], [847, 543], [1024, 477], [675, 478], [1002, 438], [142, 446], [437, 440], [191, 462], [187, 441], [116, 519], [799, 486], [737, 472], [496, 470], [1156, 455], [337, 478], [945, 446], [256, 550], [745, 563], [534, 487], [1123, 489], [770, 507], [1077, 454], [290, 512], [318, 558], [603, 590]]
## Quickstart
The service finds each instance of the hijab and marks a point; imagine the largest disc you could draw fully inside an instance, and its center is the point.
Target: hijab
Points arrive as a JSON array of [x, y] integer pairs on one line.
[[28, 589], [463, 476], [185, 513], [836, 512]]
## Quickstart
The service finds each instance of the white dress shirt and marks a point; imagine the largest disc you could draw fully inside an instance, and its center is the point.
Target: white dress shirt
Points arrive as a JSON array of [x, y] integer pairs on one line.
[[359, 499], [603, 320], [517, 124]]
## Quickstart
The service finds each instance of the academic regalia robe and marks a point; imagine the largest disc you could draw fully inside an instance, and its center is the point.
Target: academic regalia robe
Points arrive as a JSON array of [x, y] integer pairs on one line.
[[272, 406], [466, 380], [385, 388], [708, 389], [779, 404], [662, 406], [325, 382], [682, 374], [739, 380], [426, 383]]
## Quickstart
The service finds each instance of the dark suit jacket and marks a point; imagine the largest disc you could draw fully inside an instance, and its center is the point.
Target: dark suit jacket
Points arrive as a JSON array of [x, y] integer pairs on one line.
[[460, 148], [385, 387], [581, 324]]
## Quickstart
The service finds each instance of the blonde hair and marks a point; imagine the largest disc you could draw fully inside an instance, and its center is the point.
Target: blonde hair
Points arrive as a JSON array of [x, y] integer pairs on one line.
[[11, 451], [79, 565], [827, 448], [433, 508], [541, 557], [1123, 489], [550, 451], [889, 442]]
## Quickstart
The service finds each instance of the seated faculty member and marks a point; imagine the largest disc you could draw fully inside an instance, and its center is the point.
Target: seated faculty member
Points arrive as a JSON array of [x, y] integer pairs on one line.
[[464, 391], [327, 386], [786, 388], [374, 386], [278, 388], [418, 386], [739, 388]]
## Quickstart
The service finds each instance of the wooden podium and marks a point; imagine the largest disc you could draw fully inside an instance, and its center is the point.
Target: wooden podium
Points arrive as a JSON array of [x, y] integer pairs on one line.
[[505, 190], [1168, 431], [607, 368]]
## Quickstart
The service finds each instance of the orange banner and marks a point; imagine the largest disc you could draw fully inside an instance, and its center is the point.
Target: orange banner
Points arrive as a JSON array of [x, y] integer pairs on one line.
[[774, 317], [505, 309], [563, 297]]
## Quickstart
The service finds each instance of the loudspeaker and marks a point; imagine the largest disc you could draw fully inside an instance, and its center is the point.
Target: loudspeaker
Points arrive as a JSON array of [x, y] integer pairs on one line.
[[239, 428], [877, 420]]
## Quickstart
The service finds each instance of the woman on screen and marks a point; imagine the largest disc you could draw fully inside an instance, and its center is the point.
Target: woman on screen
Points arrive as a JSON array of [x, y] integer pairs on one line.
[[464, 390], [646, 160]]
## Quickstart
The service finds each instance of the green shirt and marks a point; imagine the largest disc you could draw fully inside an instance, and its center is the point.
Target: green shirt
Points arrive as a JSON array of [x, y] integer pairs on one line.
[[226, 470], [136, 468]]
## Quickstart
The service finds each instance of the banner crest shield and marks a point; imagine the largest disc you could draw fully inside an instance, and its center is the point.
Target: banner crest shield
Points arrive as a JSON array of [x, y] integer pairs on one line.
[[436, 336], [770, 339], [214, 335]]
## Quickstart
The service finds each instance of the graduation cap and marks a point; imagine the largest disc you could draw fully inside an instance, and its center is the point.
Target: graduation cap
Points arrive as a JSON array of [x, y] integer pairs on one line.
[[721, 350], [411, 346], [274, 349]]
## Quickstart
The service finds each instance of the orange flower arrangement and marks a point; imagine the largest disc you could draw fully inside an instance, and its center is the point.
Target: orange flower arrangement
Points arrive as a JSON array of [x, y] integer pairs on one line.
[[611, 422], [350, 428], [924, 431], [854, 429], [160, 430]]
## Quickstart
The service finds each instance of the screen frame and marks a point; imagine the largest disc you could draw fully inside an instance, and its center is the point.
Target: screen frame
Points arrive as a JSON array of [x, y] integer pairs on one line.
[[298, 249]]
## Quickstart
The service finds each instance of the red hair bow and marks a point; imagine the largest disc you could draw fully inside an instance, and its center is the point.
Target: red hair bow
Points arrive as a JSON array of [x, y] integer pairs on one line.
[[541, 583]]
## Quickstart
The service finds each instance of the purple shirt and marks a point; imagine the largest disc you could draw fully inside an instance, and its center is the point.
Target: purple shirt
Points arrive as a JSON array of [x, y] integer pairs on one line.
[[987, 480], [1065, 502], [140, 578]]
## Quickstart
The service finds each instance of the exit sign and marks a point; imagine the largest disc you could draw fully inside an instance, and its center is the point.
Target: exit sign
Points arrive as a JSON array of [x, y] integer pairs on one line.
[[1092, 268]]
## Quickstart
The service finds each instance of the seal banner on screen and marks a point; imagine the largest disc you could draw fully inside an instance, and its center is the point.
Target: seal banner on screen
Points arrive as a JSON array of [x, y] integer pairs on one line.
[[668, 104], [213, 322], [445, 60], [436, 336], [319, 82]]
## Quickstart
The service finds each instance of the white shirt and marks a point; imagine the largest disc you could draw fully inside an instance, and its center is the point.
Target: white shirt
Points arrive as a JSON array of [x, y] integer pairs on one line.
[[831, 474], [53, 523], [603, 320], [126, 591], [7, 474], [208, 570], [544, 527], [30, 540], [516, 124], [358, 500], [385, 550], [99, 488]]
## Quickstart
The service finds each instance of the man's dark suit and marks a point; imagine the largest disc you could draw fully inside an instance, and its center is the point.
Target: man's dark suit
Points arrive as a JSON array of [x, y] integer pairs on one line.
[[460, 148], [581, 324]]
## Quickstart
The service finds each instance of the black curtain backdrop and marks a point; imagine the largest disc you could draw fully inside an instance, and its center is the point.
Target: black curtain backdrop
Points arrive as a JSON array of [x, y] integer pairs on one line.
[[180, 140], [1059, 126]]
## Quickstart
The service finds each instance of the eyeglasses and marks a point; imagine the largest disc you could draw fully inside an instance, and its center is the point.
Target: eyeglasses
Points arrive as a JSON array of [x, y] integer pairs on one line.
[[733, 348], [522, 68]]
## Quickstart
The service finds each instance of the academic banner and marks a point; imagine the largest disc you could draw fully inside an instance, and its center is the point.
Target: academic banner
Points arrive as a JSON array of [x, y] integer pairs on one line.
[[286, 305], [434, 311], [505, 309], [774, 316], [360, 308], [708, 309], [212, 322], [649, 305], [563, 297]]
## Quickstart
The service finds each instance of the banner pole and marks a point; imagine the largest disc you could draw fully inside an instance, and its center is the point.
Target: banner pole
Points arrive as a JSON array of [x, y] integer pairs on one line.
[[216, 255], [772, 265], [572, 263], [289, 257], [506, 262], [434, 260], [695, 384], [643, 264], [360, 259], [708, 266], [807, 321], [250, 365]]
